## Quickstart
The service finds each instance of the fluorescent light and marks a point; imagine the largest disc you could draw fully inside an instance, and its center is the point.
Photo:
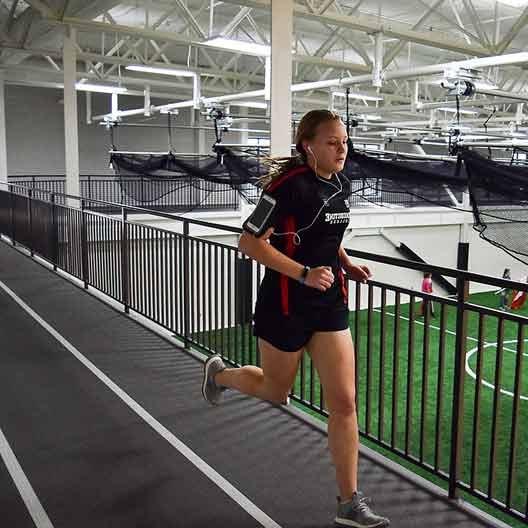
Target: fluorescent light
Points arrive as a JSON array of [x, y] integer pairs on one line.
[[454, 111], [250, 104], [355, 95], [101, 88], [251, 48], [370, 117], [162, 71]]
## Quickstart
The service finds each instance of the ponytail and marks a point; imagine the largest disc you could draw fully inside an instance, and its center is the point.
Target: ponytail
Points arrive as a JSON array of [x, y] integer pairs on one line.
[[306, 131]]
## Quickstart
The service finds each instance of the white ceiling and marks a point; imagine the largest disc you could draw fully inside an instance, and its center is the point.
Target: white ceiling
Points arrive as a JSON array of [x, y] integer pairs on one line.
[[332, 39]]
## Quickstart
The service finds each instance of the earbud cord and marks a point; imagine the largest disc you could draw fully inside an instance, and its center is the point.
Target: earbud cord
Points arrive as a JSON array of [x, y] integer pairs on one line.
[[297, 238]]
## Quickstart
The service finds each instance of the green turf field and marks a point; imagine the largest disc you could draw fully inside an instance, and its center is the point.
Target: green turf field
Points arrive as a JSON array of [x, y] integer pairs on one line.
[[412, 393]]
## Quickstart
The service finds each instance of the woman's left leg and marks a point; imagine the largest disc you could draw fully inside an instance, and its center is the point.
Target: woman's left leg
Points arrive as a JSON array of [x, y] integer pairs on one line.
[[333, 357]]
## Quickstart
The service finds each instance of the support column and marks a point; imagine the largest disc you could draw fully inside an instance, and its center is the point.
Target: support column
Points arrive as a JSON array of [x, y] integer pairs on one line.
[[244, 136], [71, 128], [3, 135], [281, 76]]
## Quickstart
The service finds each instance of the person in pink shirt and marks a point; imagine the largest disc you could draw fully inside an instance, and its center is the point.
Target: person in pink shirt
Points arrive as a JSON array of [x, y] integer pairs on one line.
[[427, 287]]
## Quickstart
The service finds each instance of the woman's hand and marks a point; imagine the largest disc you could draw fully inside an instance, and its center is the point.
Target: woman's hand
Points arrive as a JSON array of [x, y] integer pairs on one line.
[[359, 272], [320, 278]]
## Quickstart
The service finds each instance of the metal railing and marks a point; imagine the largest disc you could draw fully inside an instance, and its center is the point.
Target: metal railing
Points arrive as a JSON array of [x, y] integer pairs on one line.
[[448, 395], [181, 194], [161, 194]]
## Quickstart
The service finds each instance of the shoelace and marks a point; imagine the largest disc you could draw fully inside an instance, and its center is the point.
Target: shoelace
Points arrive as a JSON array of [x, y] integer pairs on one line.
[[363, 505]]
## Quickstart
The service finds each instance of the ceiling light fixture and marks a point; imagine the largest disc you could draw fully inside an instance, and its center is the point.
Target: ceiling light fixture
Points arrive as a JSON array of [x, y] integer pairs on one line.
[[356, 95], [454, 110], [100, 88], [250, 48], [161, 71], [250, 104]]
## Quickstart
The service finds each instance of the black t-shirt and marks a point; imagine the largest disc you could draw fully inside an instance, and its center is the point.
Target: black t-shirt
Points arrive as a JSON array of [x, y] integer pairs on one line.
[[309, 221]]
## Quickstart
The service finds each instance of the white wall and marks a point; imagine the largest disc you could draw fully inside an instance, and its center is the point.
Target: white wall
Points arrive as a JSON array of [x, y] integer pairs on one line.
[[35, 132]]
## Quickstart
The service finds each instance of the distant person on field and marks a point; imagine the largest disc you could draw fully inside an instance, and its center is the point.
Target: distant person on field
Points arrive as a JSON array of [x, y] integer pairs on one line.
[[427, 287], [504, 293], [519, 298]]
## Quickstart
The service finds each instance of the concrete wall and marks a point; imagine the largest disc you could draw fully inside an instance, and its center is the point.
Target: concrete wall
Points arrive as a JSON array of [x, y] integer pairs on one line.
[[35, 132]]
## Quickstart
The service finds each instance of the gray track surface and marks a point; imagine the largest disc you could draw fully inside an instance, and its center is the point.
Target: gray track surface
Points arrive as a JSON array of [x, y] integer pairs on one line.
[[94, 463]]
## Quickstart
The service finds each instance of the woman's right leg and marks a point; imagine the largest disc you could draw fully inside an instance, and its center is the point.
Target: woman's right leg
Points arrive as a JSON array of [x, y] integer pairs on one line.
[[272, 382]]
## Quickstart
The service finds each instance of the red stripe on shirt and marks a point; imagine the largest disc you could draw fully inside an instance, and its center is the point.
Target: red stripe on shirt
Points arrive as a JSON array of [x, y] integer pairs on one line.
[[344, 286], [289, 227], [286, 176]]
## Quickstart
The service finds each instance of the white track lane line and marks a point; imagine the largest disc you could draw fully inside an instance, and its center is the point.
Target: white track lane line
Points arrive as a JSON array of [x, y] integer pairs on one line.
[[33, 505], [200, 464]]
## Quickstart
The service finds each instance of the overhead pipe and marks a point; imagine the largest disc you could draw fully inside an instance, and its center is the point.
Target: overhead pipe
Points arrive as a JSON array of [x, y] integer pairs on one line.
[[500, 60]]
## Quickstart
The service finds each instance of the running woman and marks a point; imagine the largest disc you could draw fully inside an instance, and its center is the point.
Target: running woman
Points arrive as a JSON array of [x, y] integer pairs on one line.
[[296, 231]]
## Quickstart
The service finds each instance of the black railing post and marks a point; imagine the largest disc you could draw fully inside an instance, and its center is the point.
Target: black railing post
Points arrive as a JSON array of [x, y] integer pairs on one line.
[[457, 423], [125, 283], [186, 289], [30, 220], [84, 246], [54, 233], [12, 203]]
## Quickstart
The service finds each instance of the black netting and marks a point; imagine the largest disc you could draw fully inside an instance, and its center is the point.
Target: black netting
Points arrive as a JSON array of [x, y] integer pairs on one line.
[[498, 191], [196, 179], [499, 197], [406, 182]]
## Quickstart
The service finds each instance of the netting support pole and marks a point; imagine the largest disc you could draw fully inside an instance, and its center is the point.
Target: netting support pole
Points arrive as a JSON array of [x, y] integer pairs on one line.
[[457, 422]]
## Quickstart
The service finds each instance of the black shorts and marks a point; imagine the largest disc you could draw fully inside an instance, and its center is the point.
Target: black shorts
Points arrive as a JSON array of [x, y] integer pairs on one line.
[[292, 332]]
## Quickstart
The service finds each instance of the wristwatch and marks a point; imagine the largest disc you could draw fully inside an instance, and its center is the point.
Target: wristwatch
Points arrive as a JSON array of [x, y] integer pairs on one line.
[[304, 274]]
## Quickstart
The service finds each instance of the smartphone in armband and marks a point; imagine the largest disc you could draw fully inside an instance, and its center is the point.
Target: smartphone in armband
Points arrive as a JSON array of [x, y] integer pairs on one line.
[[256, 223]]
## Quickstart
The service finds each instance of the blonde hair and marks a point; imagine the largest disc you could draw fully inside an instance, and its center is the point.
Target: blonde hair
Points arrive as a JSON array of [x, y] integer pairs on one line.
[[306, 130]]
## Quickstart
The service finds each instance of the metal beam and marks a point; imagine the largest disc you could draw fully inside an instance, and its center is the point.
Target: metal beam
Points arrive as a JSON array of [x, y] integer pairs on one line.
[[242, 14], [92, 25], [396, 49], [190, 17], [42, 34], [514, 31], [11, 16], [372, 24], [473, 15], [43, 8], [335, 35]]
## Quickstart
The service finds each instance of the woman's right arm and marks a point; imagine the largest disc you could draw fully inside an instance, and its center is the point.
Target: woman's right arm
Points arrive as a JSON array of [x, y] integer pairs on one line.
[[262, 251]]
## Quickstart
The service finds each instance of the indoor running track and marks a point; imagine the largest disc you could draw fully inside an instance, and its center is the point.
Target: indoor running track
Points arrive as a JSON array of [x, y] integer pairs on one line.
[[102, 424]]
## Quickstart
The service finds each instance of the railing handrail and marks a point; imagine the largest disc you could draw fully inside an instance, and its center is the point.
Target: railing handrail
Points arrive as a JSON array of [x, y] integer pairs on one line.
[[450, 272], [169, 216]]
